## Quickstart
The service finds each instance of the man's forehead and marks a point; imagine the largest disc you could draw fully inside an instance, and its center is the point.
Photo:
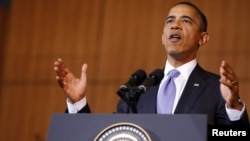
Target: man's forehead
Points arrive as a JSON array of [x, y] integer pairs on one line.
[[182, 10]]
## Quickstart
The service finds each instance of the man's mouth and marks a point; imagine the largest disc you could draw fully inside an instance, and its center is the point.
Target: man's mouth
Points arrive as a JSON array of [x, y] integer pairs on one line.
[[175, 36]]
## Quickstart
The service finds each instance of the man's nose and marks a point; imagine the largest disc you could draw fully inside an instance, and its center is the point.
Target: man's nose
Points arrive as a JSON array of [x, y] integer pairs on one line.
[[176, 25]]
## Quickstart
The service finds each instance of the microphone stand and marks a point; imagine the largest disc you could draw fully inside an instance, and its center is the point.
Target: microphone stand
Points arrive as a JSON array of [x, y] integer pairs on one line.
[[134, 96]]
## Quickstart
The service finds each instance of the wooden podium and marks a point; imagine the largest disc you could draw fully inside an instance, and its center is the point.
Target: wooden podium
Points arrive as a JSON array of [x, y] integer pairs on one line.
[[86, 127]]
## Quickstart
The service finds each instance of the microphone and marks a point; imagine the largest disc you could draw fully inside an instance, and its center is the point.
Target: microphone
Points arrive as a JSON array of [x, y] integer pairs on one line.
[[153, 79], [135, 79], [125, 89]]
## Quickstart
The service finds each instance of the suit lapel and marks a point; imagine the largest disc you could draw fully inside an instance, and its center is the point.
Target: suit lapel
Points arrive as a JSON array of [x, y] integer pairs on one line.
[[147, 101], [192, 91]]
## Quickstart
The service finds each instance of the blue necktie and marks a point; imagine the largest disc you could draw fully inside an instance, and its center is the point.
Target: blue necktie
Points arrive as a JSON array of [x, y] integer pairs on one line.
[[166, 94]]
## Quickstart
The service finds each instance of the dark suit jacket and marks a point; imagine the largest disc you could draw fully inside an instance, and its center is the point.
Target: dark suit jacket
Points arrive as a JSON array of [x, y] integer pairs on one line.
[[201, 95]]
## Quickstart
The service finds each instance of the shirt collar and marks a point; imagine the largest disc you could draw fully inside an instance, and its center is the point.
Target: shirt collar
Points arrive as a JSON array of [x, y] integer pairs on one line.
[[185, 69]]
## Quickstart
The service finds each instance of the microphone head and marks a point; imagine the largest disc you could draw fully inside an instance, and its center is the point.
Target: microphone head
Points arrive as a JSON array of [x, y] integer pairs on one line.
[[157, 75], [139, 76], [135, 79], [154, 78]]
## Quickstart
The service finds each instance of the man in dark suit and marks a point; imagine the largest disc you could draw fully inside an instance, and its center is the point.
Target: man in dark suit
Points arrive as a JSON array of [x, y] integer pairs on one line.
[[197, 90]]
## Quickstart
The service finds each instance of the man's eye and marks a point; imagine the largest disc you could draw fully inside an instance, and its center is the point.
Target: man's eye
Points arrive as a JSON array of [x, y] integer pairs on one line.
[[169, 21], [186, 21]]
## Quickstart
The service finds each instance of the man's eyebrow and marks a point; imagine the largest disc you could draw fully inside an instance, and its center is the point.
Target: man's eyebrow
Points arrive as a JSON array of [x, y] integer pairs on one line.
[[183, 17]]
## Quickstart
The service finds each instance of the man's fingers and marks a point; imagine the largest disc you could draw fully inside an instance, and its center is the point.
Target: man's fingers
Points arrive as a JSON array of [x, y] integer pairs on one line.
[[84, 71], [227, 74], [60, 68]]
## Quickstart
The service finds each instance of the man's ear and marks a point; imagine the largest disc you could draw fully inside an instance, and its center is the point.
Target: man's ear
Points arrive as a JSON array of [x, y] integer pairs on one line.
[[204, 38]]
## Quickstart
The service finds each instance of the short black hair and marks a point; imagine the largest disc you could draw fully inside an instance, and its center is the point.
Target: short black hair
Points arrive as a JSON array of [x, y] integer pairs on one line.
[[201, 15]]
